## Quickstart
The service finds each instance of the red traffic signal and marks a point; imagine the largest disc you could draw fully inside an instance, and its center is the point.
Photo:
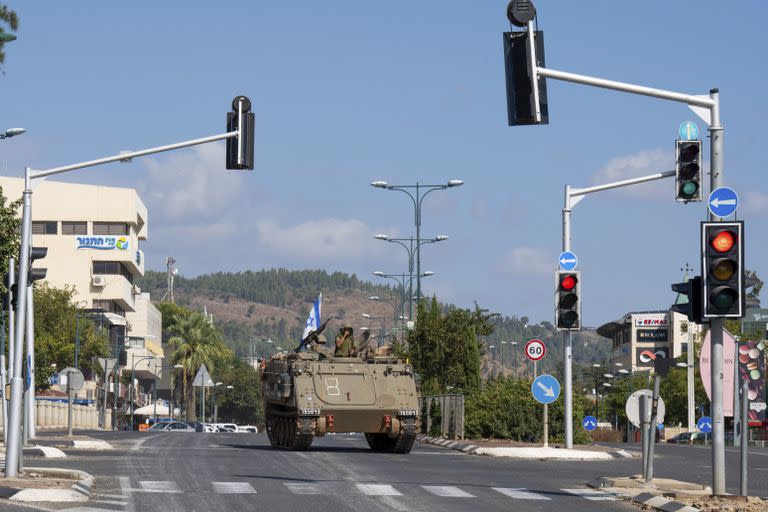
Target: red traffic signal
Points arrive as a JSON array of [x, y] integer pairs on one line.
[[722, 248], [567, 304]]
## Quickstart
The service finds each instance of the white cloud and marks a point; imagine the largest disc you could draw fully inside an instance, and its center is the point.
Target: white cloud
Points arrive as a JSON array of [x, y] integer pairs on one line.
[[192, 185], [527, 262], [636, 165], [317, 241], [756, 203]]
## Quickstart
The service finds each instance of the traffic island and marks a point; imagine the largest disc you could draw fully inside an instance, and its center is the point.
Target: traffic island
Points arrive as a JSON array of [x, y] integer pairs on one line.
[[47, 485], [495, 449], [674, 495], [74, 443]]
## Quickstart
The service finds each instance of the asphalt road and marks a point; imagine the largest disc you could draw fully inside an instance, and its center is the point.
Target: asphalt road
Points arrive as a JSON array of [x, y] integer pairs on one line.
[[233, 472]]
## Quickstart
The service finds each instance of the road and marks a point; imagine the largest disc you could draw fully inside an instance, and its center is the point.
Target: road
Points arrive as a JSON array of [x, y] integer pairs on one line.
[[211, 472]]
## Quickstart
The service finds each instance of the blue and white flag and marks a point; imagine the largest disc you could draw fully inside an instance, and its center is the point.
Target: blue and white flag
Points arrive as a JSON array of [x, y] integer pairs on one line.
[[313, 320]]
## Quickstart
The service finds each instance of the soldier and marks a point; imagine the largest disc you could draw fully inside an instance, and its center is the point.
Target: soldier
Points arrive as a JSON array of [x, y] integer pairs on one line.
[[345, 342]]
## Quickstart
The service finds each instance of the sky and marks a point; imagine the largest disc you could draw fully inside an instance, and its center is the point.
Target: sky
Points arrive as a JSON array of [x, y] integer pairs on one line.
[[346, 93]]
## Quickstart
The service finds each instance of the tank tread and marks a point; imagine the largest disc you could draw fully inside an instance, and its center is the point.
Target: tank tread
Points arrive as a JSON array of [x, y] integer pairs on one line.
[[403, 443], [288, 432]]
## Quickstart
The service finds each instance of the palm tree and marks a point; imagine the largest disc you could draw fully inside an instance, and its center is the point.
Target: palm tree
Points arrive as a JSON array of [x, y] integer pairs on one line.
[[9, 18], [192, 345]]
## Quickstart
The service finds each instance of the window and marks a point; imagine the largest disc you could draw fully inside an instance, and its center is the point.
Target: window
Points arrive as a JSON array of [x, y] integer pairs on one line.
[[112, 268], [110, 228], [111, 306], [45, 227], [74, 228]]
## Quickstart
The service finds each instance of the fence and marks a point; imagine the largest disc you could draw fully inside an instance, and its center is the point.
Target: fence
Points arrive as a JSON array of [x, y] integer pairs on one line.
[[53, 414], [442, 415]]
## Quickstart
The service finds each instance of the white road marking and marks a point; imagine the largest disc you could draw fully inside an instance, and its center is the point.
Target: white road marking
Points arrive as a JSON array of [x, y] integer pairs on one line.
[[447, 491], [233, 488], [159, 486], [520, 493], [592, 494], [304, 488], [377, 490], [110, 502], [115, 496]]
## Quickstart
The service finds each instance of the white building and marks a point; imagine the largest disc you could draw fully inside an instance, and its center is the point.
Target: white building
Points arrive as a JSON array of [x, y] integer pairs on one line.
[[93, 234]]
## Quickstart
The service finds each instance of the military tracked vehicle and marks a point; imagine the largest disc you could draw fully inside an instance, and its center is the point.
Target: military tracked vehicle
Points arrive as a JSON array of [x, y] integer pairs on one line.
[[309, 393]]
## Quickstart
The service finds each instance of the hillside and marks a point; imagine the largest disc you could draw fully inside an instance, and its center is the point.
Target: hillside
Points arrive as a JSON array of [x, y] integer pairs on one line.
[[256, 306]]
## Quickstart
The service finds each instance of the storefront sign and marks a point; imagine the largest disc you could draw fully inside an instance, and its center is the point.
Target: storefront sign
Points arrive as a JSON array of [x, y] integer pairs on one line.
[[652, 335], [647, 356], [647, 321], [102, 243]]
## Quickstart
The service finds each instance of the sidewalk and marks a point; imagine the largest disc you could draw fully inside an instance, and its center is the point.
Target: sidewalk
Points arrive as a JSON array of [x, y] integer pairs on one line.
[[519, 451], [47, 485]]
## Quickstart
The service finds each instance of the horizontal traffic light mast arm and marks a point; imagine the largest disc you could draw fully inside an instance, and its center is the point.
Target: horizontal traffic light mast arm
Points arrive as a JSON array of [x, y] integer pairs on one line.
[[132, 154], [576, 193], [690, 99]]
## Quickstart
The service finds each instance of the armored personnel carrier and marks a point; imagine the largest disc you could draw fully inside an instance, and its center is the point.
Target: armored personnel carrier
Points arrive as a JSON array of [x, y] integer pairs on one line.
[[309, 393]]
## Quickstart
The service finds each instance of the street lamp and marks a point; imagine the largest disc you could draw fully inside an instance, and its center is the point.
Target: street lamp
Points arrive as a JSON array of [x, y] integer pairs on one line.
[[11, 132], [421, 193], [214, 405], [400, 279], [376, 298], [514, 355], [133, 374]]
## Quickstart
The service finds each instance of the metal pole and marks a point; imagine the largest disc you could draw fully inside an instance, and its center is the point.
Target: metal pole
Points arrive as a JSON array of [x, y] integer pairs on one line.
[[115, 373], [514, 354], [644, 413], [154, 396], [3, 378], [69, 404], [418, 244], [568, 339], [13, 455], [652, 427], [691, 392], [597, 400], [737, 419], [77, 341], [546, 425], [106, 391], [717, 324], [744, 441], [11, 315], [29, 401]]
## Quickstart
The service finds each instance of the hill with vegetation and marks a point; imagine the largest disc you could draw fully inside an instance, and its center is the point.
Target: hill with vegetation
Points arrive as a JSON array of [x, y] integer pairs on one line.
[[258, 311]]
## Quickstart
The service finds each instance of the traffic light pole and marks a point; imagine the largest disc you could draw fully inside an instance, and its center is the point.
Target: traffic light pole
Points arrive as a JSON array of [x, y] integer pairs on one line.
[[13, 452]]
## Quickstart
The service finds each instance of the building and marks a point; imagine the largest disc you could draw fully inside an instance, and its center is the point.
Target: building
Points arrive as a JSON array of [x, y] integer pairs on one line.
[[641, 337], [93, 236]]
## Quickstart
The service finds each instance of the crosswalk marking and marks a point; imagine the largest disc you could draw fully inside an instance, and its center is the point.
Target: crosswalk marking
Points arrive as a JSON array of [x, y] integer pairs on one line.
[[520, 493], [102, 495], [592, 494], [304, 488], [159, 486], [233, 488], [447, 491], [110, 502], [378, 490]]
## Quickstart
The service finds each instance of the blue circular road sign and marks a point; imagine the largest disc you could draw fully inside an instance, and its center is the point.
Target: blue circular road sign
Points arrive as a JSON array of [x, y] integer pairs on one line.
[[589, 423], [568, 260], [688, 131], [545, 389], [704, 424], [723, 202]]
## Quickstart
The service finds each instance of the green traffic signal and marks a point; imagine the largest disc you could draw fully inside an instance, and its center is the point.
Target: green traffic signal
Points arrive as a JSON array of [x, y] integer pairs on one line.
[[688, 171]]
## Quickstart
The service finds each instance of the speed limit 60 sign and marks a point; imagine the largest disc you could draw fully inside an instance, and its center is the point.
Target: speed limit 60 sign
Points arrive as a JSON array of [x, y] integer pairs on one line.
[[535, 350]]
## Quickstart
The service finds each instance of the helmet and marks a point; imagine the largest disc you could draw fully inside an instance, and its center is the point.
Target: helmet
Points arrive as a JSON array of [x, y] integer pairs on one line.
[[346, 326]]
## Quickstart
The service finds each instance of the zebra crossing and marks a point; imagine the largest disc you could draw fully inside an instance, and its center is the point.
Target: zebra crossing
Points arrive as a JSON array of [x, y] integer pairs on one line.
[[131, 488]]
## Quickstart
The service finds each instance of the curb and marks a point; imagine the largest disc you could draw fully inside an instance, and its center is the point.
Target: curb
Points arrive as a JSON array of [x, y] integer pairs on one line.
[[80, 491], [480, 450], [645, 498], [43, 451], [75, 444]]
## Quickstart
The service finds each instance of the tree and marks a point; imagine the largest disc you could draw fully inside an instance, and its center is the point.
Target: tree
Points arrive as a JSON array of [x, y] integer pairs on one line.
[[9, 18], [10, 225], [56, 326], [242, 403]]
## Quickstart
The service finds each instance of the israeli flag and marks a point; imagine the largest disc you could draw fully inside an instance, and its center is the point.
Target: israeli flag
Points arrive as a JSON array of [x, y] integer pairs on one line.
[[313, 320]]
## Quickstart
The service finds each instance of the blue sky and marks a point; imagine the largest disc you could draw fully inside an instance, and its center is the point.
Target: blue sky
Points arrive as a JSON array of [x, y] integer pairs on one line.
[[350, 92]]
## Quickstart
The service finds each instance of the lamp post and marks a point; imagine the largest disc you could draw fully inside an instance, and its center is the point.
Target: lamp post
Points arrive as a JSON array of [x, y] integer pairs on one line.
[[421, 193], [133, 374], [514, 355], [376, 298], [12, 132], [410, 250], [214, 405], [624, 373], [597, 399]]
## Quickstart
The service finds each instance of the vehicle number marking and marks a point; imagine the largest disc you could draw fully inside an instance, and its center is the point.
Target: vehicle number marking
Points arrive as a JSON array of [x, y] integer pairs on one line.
[[332, 386]]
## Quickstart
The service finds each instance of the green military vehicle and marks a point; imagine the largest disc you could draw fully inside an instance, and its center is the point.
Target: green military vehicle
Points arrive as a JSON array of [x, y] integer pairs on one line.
[[308, 393]]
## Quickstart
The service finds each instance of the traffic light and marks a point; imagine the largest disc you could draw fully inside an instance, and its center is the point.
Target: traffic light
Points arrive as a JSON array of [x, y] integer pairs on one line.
[[688, 171], [722, 253], [691, 290], [240, 148], [567, 303], [521, 85], [35, 274]]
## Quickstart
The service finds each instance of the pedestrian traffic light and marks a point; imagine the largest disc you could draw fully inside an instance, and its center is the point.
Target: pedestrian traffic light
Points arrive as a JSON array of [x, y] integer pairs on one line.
[[688, 171], [722, 253], [689, 299], [240, 148], [567, 303], [524, 86], [35, 274]]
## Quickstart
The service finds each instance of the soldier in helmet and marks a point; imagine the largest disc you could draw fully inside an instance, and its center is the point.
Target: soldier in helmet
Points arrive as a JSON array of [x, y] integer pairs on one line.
[[345, 342]]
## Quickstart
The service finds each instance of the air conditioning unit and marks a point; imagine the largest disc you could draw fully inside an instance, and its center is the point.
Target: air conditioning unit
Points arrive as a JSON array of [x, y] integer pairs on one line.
[[99, 281]]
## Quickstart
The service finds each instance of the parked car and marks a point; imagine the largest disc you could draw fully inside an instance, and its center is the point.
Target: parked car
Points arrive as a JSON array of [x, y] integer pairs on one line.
[[158, 427], [170, 426], [199, 427], [247, 428], [687, 438], [226, 427]]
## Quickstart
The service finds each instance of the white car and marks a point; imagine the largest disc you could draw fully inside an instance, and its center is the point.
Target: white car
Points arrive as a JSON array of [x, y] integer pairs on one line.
[[248, 428]]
